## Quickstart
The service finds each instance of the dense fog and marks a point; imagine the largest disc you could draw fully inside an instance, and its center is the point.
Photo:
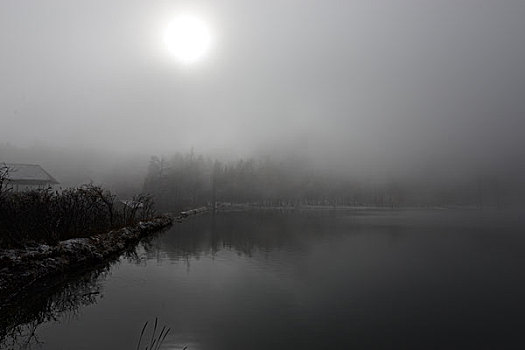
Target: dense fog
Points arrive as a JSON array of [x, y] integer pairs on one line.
[[423, 96]]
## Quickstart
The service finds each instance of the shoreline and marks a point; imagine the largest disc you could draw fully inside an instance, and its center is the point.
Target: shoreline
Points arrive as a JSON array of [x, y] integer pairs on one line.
[[21, 268]]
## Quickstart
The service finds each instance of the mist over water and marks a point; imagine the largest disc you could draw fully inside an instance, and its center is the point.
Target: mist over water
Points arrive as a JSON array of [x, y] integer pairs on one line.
[[407, 87]]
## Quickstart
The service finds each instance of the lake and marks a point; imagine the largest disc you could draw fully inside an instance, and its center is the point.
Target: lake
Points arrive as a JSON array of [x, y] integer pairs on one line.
[[325, 279]]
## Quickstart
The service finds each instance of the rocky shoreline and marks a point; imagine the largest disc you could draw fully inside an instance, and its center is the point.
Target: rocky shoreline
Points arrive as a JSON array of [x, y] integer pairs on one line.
[[20, 268]]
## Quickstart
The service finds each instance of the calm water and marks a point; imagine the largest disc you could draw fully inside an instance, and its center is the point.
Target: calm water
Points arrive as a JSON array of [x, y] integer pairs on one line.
[[438, 279]]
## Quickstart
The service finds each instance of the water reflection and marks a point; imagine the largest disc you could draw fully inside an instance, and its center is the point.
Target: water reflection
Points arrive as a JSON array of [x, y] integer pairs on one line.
[[329, 279], [55, 299], [245, 233], [250, 232]]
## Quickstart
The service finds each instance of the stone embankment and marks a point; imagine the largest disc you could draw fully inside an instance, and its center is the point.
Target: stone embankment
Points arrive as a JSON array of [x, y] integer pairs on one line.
[[20, 268]]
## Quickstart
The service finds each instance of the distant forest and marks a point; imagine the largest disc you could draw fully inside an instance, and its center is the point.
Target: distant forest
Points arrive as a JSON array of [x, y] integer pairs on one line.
[[189, 180]]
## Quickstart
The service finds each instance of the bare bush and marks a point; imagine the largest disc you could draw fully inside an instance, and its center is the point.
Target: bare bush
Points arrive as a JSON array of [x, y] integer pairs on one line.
[[48, 216]]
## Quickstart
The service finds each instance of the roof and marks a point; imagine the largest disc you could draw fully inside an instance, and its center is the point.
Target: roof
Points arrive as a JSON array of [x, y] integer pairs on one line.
[[28, 174]]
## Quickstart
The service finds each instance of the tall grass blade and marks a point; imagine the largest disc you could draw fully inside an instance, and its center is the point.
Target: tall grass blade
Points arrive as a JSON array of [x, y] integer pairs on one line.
[[161, 337], [141, 334], [153, 334]]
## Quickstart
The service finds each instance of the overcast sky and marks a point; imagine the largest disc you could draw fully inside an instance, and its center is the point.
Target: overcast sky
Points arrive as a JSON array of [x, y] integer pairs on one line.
[[393, 81]]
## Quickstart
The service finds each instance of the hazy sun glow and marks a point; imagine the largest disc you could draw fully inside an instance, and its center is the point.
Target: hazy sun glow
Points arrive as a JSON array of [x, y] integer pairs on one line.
[[187, 38]]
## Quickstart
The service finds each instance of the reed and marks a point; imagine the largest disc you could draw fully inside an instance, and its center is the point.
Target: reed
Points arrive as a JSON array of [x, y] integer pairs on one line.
[[156, 340]]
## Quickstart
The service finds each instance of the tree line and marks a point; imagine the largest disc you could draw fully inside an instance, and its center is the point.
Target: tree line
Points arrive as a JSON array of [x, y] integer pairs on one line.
[[188, 180]]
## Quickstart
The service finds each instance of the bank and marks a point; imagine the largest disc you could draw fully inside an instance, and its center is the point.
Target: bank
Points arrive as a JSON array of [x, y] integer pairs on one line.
[[21, 268]]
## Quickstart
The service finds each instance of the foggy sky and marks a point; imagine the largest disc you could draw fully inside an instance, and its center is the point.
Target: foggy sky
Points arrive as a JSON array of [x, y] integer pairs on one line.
[[395, 83]]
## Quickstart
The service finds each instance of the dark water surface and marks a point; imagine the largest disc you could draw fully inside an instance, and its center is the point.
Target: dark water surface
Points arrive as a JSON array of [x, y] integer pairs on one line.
[[407, 279]]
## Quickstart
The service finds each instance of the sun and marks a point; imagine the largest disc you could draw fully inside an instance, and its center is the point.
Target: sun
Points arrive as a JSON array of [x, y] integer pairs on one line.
[[188, 38]]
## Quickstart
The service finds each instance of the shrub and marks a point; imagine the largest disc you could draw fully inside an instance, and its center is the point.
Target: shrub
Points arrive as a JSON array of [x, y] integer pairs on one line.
[[49, 216]]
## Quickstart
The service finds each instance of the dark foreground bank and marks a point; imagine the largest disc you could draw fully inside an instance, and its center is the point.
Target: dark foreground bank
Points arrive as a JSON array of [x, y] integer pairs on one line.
[[20, 268]]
